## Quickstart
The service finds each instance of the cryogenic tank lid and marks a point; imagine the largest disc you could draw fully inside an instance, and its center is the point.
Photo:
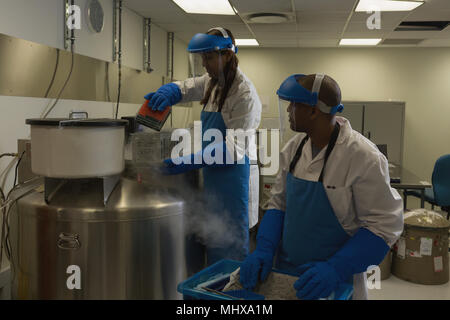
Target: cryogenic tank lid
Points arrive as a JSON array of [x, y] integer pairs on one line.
[[64, 122]]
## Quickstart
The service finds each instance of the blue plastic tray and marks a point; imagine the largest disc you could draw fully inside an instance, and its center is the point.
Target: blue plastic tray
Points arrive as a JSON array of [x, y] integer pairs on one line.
[[217, 276]]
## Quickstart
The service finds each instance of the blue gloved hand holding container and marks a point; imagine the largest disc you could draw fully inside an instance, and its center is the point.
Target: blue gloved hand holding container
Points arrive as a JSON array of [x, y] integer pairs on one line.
[[167, 95]]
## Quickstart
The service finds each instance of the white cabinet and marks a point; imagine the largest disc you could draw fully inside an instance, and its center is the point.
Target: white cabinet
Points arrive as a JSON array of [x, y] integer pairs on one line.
[[381, 122]]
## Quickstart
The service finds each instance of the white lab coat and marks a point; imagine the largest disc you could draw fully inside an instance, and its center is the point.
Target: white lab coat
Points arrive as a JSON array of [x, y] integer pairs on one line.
[[362, 196], [241, 110]]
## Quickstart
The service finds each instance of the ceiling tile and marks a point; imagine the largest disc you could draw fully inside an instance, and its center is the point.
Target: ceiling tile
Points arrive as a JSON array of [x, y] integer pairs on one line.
[[435, 43], [400, 42], [325, 5], [322, 17], [280, 28], [434, 5], [175, 27], [239, 31], [276, 36], [279, 43], [248, 6], [214, 19], [321, 27], [318, 42], [319, 35], [433, 15]]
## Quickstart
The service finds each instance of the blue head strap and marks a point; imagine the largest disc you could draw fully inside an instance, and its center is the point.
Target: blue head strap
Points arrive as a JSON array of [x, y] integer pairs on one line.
[[291, 90], [203, 42]]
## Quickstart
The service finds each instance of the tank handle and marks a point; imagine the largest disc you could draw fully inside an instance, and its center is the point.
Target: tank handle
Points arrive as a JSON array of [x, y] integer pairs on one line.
[[69, 241]]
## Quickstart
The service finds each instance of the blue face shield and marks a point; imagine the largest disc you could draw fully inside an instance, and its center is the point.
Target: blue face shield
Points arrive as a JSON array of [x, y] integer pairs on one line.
[[203, 42], [200, 48], [291, 91]]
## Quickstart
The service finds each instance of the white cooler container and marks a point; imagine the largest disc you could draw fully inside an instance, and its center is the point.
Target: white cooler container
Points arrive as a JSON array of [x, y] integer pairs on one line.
[[68, 148]]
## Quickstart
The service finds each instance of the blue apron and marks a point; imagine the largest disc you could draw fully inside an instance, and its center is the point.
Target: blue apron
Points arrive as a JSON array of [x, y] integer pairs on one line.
[[226, 189], [311, 230]]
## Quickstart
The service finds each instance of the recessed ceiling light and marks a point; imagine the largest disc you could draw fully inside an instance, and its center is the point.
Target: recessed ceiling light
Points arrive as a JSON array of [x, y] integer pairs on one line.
[[247, 42], [359, 42], [386, 5], [206, 6]]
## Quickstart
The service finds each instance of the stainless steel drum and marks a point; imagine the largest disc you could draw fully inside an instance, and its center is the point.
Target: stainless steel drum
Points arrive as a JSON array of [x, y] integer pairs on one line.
[[76, 247]]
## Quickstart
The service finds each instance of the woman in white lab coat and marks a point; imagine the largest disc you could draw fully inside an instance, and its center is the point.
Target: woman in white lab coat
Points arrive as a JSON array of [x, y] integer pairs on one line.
[[332, 213], [229, 101]]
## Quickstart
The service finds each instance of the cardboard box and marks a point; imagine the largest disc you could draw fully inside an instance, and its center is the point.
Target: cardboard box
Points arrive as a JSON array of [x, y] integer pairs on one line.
[[385, 266], [421, 253]]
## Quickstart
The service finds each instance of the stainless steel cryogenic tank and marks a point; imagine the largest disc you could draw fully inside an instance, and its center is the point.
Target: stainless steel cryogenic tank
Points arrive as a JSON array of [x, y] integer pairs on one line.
[[120, 236], [77, 248]]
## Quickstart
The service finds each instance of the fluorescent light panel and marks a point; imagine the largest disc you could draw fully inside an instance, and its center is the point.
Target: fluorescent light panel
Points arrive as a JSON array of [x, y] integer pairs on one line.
[[246, 42], [359, 42], [206, 6], [386, 5]]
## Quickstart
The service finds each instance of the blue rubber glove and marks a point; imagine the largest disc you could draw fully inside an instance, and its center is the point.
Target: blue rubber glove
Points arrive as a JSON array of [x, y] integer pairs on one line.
[[187, 164], [259, 262], [320, 279], [167, 95], [317, 280]]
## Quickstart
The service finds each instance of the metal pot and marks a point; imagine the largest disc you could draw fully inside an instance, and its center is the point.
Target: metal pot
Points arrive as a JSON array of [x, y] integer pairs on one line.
[[77, 148]]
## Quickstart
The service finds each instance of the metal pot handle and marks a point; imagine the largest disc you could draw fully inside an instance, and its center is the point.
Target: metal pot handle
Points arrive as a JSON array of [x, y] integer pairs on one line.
[[78, 115], [69, 241]]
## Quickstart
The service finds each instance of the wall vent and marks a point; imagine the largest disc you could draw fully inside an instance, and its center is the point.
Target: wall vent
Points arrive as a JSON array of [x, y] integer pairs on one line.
[[422, 25], [269, 17]]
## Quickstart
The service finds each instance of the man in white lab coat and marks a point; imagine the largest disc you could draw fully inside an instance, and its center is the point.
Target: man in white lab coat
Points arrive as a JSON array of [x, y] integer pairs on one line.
[[332, 213]]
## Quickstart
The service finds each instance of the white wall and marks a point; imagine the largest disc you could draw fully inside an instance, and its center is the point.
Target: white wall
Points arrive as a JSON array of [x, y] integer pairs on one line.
[[132, 39], [42, 21], [418, 76], [92, 44], [39, 21]]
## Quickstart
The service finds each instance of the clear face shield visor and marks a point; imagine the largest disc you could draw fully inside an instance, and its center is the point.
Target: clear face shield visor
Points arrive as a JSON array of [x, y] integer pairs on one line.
[[212, 63], [207, 54], [285, 122]]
